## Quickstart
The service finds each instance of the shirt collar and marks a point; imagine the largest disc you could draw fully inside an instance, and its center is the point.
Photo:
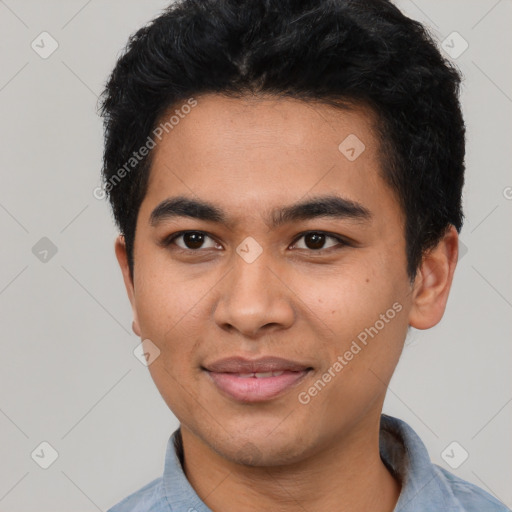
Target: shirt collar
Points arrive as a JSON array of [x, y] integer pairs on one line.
[[401, 449], [405, 455], [179, 493]]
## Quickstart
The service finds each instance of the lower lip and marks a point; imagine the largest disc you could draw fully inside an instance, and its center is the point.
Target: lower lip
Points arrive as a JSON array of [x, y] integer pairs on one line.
[[253, 389]]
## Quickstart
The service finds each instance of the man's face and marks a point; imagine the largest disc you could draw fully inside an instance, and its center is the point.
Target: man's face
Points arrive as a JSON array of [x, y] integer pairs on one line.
[[305, 298]]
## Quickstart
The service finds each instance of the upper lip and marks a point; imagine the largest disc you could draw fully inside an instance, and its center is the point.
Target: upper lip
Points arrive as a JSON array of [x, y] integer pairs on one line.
[[263, 364]]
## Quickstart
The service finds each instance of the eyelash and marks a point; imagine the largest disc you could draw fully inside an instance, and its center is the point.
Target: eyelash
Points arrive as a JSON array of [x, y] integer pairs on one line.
[[342, 242]]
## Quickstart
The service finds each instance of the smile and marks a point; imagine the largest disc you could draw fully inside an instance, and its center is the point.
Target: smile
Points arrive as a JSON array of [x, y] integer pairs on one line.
[[255, 380]]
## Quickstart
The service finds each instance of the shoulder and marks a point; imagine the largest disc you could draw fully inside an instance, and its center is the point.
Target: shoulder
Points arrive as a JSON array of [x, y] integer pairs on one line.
[[471, 497], [149, 498], [425, 485]]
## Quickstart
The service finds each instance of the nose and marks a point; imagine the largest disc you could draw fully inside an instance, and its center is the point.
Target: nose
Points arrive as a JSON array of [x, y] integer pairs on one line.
[[253, 299]]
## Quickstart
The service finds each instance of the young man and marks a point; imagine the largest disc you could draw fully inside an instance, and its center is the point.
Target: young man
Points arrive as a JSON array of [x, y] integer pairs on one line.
[[286, 176]]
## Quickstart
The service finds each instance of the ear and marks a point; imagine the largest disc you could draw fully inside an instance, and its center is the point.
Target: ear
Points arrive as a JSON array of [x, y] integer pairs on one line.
[[433, 282], [122, 258]]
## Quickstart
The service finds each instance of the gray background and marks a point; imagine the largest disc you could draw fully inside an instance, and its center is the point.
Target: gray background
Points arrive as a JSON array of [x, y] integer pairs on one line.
[[68, 374]]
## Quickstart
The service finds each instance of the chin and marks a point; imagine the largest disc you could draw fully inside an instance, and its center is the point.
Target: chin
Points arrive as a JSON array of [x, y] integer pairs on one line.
[[262, 450]]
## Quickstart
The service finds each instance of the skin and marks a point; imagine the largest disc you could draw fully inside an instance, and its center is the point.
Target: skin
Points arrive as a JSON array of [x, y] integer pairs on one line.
[[248, 156]]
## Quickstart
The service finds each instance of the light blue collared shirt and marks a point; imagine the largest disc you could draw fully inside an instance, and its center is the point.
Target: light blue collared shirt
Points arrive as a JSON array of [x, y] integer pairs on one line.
[[426, 487]]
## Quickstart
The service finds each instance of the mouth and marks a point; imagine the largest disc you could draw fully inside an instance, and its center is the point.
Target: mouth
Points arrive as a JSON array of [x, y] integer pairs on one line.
[[258, 380]]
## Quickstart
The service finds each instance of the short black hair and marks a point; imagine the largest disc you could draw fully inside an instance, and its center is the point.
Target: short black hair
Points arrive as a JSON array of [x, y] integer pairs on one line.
[[337, 52]]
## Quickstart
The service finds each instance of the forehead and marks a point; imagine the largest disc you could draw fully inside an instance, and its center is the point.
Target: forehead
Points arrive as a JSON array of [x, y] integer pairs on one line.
[[255, 152], [241, 123]]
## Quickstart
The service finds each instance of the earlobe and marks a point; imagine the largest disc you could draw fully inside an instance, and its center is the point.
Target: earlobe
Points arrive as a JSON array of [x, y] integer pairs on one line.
[[433, 282], [122, 258]]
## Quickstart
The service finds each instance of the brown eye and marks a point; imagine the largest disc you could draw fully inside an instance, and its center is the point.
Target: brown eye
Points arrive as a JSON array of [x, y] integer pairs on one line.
[[316, 240], [192, 240]]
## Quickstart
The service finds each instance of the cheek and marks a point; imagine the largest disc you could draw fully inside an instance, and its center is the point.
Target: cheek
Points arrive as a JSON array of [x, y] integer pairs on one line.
[[366, 318], [167, 297], [168, 313], [348, 299], [171, 315]]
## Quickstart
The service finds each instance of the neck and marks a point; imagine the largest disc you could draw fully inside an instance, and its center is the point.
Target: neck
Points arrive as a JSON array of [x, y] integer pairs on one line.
[[347, 475]]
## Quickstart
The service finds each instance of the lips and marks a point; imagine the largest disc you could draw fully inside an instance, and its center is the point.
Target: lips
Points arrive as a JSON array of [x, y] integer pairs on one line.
[[258, 380], [261, 365]]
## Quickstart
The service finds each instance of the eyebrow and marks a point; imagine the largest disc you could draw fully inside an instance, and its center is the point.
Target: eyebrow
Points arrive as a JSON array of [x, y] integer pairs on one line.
[[332, 206]]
